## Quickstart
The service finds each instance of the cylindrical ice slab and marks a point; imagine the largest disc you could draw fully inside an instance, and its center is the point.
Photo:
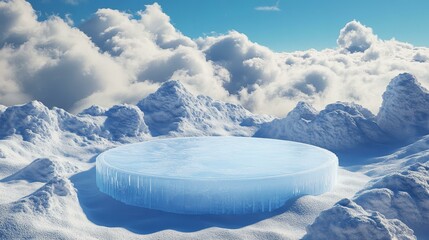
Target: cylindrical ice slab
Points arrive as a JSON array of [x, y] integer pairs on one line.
[[215, 175]]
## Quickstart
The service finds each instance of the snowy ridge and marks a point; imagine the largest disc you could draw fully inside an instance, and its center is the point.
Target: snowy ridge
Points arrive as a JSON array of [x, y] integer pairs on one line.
[[33, 131], [124, 121], [338, 126], [83, 126], [32, 121], [43, 170], [41, 214], [403, 116], [94, 110], [170, 110], [347, 220], [404, 112], [174, 110], [46, 197], [401, 189]]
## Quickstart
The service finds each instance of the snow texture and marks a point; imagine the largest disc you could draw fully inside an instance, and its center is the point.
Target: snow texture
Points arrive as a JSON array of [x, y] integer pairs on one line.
[[173, 109], [404, 112], [125, 121], [46, 196], [402, 195], [94, 111], [31, 120], [403, 116], [191, 175], [42, 170], [347, 220], [338, 126], [70, 142]]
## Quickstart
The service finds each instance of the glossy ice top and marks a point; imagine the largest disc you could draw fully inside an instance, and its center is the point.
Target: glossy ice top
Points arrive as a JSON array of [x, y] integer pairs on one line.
[[216, 158]]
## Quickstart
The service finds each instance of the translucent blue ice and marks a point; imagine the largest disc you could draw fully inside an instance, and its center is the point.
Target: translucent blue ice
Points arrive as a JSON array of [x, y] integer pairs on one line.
[[214, 175]]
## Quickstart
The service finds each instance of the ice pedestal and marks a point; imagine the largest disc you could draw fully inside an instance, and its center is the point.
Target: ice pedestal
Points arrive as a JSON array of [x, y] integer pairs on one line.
[[214, 175]]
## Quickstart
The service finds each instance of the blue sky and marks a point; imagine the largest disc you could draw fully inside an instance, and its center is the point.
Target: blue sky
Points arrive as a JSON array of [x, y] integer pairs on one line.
[[299, 25]]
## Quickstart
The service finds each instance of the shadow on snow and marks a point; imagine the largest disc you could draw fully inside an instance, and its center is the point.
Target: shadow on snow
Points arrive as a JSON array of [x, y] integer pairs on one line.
[[103, 210]]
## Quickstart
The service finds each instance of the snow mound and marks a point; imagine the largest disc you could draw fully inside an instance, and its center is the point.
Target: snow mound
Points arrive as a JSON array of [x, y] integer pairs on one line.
[[347, 220], [402, 195], [404, 112], [32, 121], [338, 126], [402, 158], [172, 108], [419, 147], [81, 125], [42, 170], [125, 121], [46, 197], [35, 122], [94, 111]]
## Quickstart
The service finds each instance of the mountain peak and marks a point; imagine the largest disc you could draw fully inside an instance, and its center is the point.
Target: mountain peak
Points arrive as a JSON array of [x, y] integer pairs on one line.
[[173, 87], [172, 108], [404, 112], [303, 110], [404, 81], [29, 120]]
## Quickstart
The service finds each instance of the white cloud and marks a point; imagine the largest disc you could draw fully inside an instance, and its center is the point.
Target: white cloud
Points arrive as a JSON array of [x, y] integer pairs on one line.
[[72, 2], [119, 58], [355, 37], [272, 8], [68, 19]]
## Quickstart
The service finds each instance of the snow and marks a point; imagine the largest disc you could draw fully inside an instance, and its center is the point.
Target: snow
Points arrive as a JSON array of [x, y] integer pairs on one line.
[[347, 220], [94, 111], [42, 170], [174, 110], [31, 120], [404, 112], [48, 177], [401, 195], [183, 175], [403, 116], [338, 126], [125, 121]]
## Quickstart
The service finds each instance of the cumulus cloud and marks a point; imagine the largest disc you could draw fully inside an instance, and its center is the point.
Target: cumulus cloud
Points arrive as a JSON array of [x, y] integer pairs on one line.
[[151, 50], [355, 37], [115, 57], [52, 62]]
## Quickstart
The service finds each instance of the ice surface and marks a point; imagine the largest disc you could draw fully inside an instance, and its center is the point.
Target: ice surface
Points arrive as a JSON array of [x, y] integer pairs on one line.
[[214, 175]]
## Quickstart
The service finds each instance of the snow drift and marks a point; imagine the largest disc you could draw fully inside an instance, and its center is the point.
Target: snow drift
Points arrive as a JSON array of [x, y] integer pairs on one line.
[[347, 220], [402, 195]]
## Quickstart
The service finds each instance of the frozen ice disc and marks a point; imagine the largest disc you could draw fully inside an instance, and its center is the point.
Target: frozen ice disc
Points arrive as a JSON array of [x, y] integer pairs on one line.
[[214, 175]]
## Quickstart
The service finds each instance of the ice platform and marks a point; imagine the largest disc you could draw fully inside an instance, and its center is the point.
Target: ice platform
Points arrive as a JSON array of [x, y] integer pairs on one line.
[[214, 175]]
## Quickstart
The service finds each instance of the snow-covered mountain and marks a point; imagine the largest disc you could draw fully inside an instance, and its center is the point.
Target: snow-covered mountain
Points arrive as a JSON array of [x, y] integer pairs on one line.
[[404, 112], [174, 110], [338, 126], [404, 115], [31, 120], [47, 156]]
